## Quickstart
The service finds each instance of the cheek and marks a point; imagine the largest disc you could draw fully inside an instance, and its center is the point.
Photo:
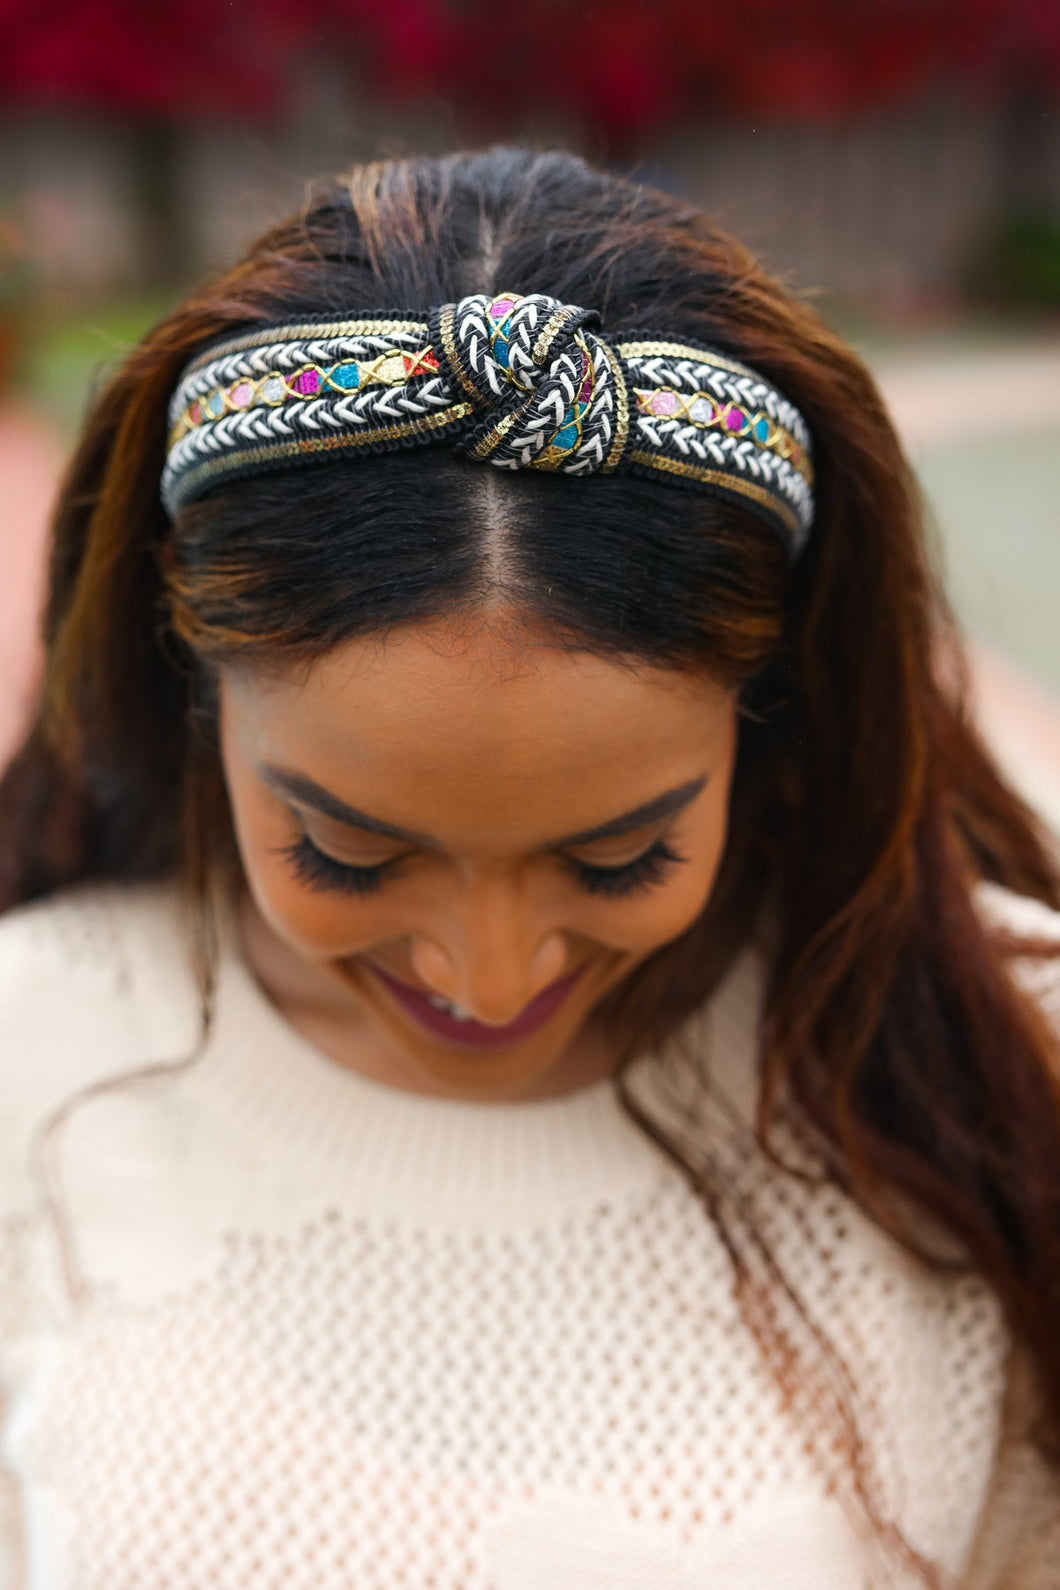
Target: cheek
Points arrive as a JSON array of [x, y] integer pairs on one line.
[[693, 884], [315, 923], [674, 907], [650, 920]]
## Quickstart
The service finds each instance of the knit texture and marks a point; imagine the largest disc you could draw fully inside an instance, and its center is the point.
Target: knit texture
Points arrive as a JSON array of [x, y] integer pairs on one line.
[[268, 1323]]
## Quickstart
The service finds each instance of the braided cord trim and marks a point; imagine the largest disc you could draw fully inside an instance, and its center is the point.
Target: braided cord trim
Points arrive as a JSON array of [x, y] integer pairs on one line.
[[621, 436], [308, 331], [212, 471]]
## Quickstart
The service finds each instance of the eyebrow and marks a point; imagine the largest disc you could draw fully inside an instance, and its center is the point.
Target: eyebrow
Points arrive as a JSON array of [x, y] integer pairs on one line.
[[309, 793]]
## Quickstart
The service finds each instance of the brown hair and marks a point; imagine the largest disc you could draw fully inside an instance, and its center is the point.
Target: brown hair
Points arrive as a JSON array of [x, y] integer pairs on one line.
[[865, 806]]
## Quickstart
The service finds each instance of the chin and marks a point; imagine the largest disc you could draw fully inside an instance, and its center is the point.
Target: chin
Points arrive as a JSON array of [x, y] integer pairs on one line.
[[471, 1082]]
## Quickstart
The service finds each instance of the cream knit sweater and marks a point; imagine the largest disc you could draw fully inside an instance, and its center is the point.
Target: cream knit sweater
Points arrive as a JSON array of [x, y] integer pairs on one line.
[[269, 1324]]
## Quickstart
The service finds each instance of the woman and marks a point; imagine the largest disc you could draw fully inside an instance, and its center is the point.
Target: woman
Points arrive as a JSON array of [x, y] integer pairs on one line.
[[525, 998]]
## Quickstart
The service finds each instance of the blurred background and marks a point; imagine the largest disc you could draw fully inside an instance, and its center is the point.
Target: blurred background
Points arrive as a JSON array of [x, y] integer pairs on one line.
[[897, 159]]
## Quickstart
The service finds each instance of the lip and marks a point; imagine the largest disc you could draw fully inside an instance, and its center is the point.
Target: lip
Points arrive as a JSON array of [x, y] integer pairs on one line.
[[476, 1033]]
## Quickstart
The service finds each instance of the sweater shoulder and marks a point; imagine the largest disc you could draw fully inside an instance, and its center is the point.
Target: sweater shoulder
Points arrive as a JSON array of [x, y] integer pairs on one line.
[[93, 981], [1017, 913], [98, 933], [1024, 918]]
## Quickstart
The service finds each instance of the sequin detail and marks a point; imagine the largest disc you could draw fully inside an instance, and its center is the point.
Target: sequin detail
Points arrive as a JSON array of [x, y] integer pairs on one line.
[[394, 367], [701, 410]]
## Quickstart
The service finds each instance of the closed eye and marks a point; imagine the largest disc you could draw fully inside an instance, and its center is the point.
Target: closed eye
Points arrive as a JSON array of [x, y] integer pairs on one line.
[[632, 877], [317, 870], [322, 872]]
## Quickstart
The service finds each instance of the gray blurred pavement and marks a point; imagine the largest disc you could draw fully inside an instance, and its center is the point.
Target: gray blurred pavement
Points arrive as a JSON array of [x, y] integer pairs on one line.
[[981, 423]]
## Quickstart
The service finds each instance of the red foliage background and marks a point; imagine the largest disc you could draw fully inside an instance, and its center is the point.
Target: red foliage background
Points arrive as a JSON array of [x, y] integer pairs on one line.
[[621, 66]]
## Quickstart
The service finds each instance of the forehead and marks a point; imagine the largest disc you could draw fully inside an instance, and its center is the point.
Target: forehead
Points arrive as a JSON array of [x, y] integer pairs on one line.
[[450, 726]]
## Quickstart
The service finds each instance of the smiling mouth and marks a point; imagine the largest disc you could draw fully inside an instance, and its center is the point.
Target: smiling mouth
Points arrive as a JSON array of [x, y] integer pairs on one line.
[[439, 1019]]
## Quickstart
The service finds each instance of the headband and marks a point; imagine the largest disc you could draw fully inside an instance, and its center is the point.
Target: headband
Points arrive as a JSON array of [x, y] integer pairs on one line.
[[516, 381]]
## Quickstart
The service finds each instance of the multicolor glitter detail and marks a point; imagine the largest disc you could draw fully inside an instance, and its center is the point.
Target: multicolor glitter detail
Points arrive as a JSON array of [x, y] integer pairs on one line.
[[392, 367], [702, 410], [520, 381], [500, 315]]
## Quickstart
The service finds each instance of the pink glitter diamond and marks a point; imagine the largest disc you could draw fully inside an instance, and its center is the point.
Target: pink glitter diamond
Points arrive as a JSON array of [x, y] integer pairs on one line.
[[500, 308], [664, 403], [241, 395]]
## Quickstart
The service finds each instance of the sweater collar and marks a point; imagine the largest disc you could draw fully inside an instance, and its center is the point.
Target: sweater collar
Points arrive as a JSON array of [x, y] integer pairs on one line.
[[307, 1117]]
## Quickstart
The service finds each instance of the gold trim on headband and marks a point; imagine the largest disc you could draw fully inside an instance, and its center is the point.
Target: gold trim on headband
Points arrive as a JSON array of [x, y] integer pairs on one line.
[[445, 326], [718, 477], [232, 462], [680, 350], [495, 436], [266, 335]]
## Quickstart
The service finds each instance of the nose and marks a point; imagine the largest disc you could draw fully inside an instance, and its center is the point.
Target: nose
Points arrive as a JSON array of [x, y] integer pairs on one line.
[[489, 955]]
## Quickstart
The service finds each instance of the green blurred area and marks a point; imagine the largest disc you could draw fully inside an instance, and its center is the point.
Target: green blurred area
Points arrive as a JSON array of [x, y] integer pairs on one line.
[[1017, 262], [998, 506], [64, 355]]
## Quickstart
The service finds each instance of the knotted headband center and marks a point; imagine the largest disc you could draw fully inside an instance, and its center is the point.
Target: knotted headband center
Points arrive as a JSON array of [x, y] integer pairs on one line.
[[545, 385]]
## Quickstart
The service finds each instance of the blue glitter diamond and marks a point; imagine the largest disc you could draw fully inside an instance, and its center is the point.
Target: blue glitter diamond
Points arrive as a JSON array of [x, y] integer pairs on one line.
[[567, 435]]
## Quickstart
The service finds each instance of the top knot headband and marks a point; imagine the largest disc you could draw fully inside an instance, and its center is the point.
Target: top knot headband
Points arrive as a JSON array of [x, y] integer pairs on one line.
[[518, 381]]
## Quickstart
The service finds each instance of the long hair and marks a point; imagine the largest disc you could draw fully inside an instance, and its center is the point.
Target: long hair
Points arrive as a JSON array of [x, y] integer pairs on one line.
[[864, 808]]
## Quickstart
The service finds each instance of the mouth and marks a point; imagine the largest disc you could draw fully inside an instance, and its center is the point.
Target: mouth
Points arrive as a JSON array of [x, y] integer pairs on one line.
[[436, 1015]]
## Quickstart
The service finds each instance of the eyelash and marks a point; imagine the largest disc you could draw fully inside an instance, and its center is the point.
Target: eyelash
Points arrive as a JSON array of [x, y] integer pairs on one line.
[[318, 871]]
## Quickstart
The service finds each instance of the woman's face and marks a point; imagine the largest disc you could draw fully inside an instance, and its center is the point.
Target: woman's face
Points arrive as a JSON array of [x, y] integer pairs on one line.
[[473, 818]]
